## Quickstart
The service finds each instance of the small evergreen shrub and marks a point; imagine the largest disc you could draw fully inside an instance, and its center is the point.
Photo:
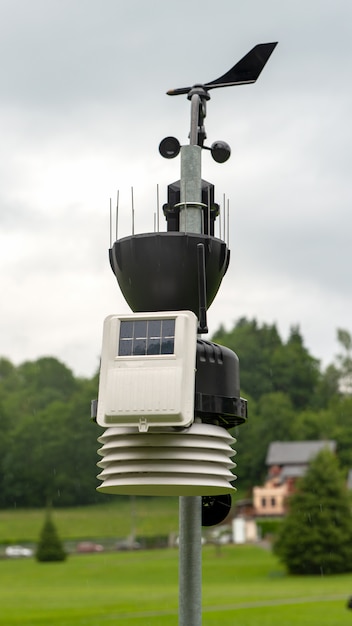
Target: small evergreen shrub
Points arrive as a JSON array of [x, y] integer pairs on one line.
[[49, 547]]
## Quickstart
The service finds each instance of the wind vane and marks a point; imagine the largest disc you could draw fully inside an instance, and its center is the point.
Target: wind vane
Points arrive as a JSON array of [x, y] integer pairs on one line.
[[245, 72]]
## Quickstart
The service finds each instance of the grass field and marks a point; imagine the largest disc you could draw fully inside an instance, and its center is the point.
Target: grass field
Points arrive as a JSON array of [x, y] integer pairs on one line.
[[242, 585], [144, 516]]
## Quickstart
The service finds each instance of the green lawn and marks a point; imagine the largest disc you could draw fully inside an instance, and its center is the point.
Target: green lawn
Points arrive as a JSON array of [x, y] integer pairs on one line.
[[242, 585], [146, 516]]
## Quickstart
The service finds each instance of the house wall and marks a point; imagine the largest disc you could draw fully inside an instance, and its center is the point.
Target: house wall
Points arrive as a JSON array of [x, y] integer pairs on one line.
[[270, 499], [244, 530]]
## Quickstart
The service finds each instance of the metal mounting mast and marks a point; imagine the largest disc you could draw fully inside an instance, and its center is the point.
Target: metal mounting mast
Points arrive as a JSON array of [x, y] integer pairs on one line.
[[169, 279]]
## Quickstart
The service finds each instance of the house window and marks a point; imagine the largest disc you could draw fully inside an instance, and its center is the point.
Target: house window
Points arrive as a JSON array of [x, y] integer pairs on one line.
[[263, 503], [273, 502]]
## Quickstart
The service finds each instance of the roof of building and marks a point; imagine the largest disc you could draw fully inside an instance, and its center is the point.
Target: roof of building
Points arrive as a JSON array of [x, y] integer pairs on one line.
[[296, 452], [293, 471]]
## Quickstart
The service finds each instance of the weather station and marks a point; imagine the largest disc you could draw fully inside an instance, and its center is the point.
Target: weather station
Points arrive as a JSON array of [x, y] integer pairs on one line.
[[168, 398]]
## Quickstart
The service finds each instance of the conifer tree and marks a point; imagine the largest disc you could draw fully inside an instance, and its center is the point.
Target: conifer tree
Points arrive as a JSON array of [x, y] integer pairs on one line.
[[49, 546], [316, 535]]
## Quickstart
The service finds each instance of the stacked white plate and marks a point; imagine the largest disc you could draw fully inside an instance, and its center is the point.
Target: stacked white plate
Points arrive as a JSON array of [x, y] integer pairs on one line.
[[191, 461]]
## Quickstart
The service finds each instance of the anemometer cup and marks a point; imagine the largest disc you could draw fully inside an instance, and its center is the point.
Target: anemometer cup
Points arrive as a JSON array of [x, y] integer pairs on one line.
[[220, 151], [169, 147]]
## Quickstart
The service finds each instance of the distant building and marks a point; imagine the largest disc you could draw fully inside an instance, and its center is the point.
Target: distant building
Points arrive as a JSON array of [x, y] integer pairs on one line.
[[286, 461]]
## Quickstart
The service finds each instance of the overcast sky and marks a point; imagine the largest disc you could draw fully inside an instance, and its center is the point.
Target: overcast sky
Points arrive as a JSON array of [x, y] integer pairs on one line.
[[82, 111]]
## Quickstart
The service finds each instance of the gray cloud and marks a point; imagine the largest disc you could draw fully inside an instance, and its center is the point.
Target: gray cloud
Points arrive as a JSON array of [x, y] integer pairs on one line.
[[82, 111]]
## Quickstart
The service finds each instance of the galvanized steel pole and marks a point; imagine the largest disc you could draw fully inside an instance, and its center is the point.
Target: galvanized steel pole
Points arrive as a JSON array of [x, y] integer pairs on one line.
[[190, 507], [190, 561], [191, 215]]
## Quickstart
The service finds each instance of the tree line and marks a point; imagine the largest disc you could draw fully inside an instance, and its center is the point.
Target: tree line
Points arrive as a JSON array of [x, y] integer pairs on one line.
[[48, 444], [291, 397]]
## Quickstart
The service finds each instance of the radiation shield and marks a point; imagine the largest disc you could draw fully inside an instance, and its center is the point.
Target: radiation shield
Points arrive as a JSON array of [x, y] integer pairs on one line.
[[162, 462]]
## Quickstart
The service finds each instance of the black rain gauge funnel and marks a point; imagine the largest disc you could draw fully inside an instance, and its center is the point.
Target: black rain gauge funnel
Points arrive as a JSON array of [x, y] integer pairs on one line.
[[172, 277]]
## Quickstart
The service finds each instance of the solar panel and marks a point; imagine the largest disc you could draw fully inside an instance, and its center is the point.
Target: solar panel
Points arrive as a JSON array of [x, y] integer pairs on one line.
[[146, 337]]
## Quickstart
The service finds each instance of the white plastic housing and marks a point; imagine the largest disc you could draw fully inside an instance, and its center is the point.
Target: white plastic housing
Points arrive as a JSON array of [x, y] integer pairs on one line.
[[150, 389]]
